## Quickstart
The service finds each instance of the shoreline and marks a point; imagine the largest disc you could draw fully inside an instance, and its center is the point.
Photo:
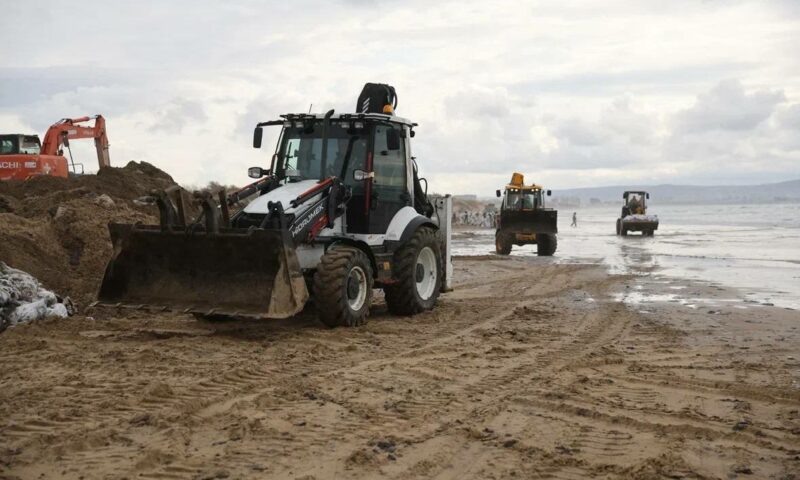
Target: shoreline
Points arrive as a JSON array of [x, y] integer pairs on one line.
[[773, 284]]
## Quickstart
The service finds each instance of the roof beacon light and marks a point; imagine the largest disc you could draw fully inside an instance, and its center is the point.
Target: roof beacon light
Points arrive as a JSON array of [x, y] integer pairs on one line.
[[388, 109]]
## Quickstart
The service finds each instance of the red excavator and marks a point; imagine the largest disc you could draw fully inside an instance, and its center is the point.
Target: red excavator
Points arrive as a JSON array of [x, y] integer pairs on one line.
[[23, 156]]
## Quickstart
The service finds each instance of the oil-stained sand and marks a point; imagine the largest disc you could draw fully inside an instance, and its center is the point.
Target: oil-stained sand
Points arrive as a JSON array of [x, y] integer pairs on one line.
[[527, 370]]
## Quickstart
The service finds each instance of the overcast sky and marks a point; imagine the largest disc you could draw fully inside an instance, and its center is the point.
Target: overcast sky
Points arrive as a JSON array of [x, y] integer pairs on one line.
[[571, 93]]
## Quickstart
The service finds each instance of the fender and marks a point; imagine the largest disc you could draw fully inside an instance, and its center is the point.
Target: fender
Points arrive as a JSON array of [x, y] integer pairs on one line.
[[361, 246], [412, 227], [391, 246]]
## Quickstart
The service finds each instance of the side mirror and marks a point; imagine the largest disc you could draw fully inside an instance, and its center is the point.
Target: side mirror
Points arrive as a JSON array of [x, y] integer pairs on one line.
[[624, 196], [257, 172], [392, 139], [412, 133], [648, 196], [359, 175], [499, 194], [549, 192], [257, 134]]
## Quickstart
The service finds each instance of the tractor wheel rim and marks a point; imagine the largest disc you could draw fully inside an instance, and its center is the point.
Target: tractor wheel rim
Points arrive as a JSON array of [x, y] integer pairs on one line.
[[356, 288], [426, 261]]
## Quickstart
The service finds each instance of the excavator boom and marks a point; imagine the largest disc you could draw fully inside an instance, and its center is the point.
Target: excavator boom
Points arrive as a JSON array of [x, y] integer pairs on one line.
[[66, 129]]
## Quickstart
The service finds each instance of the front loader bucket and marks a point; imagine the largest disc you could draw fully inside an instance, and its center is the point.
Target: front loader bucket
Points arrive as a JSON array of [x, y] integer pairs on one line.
[[531, 221], [544, 221], [234, 272]]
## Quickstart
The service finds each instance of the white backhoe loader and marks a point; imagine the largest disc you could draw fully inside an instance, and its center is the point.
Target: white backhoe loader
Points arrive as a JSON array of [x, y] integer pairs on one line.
[[340, 211]]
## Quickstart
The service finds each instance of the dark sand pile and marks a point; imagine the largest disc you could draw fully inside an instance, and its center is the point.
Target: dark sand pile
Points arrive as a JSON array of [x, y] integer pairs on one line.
[[56, 228]]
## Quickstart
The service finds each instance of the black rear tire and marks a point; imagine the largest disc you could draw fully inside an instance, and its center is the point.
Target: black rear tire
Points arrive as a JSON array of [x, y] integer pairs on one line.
[[546, 244], [414, 271], [343, 287], [502, 243]]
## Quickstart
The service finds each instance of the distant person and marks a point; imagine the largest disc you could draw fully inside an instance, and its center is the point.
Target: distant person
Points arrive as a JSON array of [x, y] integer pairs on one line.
[[574, 219]]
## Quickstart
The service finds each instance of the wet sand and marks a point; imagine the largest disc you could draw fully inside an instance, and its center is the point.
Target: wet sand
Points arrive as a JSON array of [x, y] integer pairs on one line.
[[529, 369]]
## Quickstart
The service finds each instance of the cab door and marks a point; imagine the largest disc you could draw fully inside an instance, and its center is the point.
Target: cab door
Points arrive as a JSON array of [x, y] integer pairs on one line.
[[388, 188], [357, 212]]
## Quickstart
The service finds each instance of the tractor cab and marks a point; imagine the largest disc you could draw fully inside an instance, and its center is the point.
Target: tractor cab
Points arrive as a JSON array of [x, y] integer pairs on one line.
[[518, 196], [370, 153], [634, 203]]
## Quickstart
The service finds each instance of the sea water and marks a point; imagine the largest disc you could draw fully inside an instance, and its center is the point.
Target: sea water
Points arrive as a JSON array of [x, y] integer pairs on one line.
[[754, 248]]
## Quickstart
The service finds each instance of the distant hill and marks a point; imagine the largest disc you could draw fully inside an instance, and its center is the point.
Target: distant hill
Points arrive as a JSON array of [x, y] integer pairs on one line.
[[783, 192]]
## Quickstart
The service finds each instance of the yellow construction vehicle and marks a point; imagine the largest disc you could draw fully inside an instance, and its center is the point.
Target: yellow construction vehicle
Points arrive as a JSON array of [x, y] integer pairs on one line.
[[524, 219]]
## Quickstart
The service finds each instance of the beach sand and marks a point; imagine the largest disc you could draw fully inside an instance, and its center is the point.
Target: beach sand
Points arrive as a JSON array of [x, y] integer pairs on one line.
[[526, 370]]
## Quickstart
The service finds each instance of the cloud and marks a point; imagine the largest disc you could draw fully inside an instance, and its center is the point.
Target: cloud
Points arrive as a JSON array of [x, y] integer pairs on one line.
[[789, 117], [728, 107], [479, 102], [579, 133], [174, 116], [571, 93]]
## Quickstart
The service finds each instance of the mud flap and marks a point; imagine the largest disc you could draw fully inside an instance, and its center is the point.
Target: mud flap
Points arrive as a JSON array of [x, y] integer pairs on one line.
[[236, 272]]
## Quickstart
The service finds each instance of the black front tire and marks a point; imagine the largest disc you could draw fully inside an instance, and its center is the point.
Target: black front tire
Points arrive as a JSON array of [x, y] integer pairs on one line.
[[619, 226], [343, 287], [502, 243], [546, 244], [415, 275]]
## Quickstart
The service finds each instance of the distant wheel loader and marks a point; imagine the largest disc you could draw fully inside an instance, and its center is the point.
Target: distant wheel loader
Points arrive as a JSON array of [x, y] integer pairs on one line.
[[340, 211], [634, 217], [524, 219]]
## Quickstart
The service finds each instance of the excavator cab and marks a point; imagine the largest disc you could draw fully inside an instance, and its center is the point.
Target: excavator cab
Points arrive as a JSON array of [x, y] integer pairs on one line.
[[21, 158], [20, 145]]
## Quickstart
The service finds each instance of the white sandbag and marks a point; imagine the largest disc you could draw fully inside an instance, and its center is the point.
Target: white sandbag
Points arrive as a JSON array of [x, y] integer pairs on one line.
[[23, 299], [640, 218]]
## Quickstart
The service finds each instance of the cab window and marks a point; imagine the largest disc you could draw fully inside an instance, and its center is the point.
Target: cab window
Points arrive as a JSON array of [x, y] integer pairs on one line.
[[389, 165], [30, 145], [8, 146]]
